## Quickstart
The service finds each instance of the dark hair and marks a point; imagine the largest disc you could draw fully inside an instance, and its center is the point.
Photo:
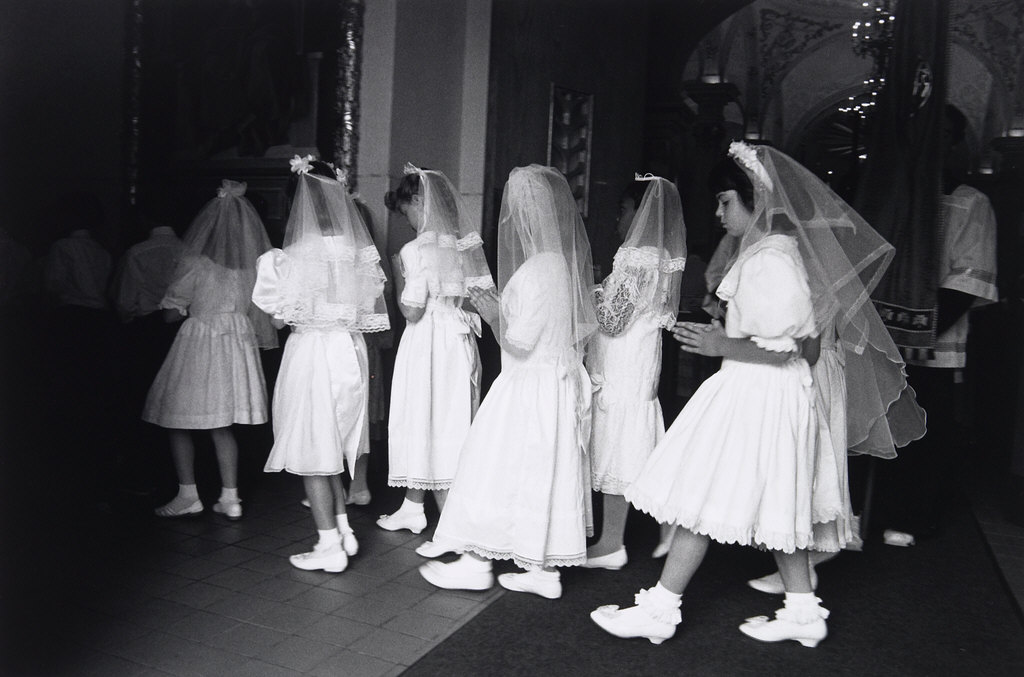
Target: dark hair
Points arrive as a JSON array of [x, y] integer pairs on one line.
[[958, 123], [727, 175], [403, 193], [634, 191]]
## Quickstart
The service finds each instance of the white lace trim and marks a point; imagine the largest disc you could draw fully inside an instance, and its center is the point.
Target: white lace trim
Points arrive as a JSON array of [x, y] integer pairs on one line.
[[524, 562], [440, 239], [647, 258], [481, 282], [723, 533], [426, 485], [470, 241], [802, 612], [663, 613]]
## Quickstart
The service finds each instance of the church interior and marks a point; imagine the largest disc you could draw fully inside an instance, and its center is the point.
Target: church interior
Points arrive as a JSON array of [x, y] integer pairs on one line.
[[123, 115]]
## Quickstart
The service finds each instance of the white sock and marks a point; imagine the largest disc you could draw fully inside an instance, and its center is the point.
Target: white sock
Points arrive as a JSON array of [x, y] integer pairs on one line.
[[664, 597], [801, 598], [343, 526], [328, 538], [543, 573], [410, 506], [228, 495], [188, 491]]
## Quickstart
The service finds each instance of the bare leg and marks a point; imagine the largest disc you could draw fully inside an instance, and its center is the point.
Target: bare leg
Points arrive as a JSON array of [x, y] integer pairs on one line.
[[186, 501], [322, 503], [227, 456], [613, 529], [359, 487], [338, 494], [415, 495], [684, 557], [795, 570], [183, 451], [440, 496]]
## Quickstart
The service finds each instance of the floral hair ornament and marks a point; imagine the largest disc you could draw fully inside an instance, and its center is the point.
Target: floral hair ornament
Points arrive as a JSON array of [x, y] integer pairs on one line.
[[410, 168], [342, 175], [301, 165], [644, 177], [747, 157]]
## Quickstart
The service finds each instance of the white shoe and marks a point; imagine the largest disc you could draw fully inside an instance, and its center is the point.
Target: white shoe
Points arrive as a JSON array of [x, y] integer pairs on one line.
[[178, 508], [458, 575], [772, 583], [804, 624], [413, 521], [613, 560], [900, 539], [653, 623], [230, 509], [349, 543], [432, 549], [331, 559], [544, 583]]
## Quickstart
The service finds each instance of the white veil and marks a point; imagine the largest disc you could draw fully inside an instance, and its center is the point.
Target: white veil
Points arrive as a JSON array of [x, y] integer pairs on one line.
[[229, 233], [539, 214], [844, 258], [333, 277], [656, 245], [449, 240]]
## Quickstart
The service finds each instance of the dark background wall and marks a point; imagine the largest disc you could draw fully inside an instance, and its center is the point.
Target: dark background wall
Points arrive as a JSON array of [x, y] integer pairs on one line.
[[592, 46]]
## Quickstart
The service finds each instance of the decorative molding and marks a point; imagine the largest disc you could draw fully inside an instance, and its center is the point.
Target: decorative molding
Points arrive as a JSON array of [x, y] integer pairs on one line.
[[996, 28], [346, 92], [786, 36]]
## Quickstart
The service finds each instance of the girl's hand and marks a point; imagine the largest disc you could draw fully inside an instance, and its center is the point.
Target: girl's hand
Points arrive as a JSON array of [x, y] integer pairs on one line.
[[702, 339], [486, 303]]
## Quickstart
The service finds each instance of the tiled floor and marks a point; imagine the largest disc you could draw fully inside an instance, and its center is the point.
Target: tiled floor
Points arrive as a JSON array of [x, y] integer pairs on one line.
[[204, 596]]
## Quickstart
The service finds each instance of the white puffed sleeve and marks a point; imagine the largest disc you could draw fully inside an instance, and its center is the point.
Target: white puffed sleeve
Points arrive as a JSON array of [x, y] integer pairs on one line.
[[772, 302], [182, 289], [271, 268], [415, 292], [525, 307]]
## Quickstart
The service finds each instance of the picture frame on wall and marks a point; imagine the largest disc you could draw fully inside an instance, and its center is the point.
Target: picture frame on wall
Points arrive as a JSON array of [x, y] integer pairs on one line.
[[570, 134]]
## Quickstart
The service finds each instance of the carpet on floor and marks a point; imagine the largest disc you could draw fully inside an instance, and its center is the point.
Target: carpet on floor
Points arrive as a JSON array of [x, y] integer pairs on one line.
[[937, 608]]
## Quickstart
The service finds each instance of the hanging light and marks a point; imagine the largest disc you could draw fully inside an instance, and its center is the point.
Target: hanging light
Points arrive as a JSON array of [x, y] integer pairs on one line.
[[872, 38]]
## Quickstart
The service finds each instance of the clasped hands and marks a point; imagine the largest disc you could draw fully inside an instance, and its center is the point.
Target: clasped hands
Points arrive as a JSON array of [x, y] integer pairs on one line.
[[700, 338], [486, 303]]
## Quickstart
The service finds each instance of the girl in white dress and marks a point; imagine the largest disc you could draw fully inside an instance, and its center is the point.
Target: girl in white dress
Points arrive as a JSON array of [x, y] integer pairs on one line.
[[521, 491], [328, 285], [738, 464], [212, 376], [634, 303], [435, 389]]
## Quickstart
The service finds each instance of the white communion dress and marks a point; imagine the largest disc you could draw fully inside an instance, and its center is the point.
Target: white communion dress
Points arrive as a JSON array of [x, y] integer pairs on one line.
[[521, 488], [435, 389], [738, 463], [624, 362], [212, 375], [320, 397]]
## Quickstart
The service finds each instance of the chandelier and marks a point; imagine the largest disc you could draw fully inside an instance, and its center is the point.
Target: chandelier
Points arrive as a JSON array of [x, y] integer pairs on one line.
[[872, 38]]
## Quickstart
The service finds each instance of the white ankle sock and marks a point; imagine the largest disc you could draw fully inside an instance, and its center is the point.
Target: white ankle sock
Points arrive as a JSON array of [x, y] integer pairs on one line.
[[801, 598], [328, 538], [228, 495], [188, 491], [410, 506], [343, 526], [664, 597]]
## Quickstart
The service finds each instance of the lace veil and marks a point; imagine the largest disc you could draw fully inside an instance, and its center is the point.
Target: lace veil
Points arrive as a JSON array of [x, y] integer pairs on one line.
[[655, 247], [449, 240], [844, 258], [538, 215], [333, 276], [229, 233]]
